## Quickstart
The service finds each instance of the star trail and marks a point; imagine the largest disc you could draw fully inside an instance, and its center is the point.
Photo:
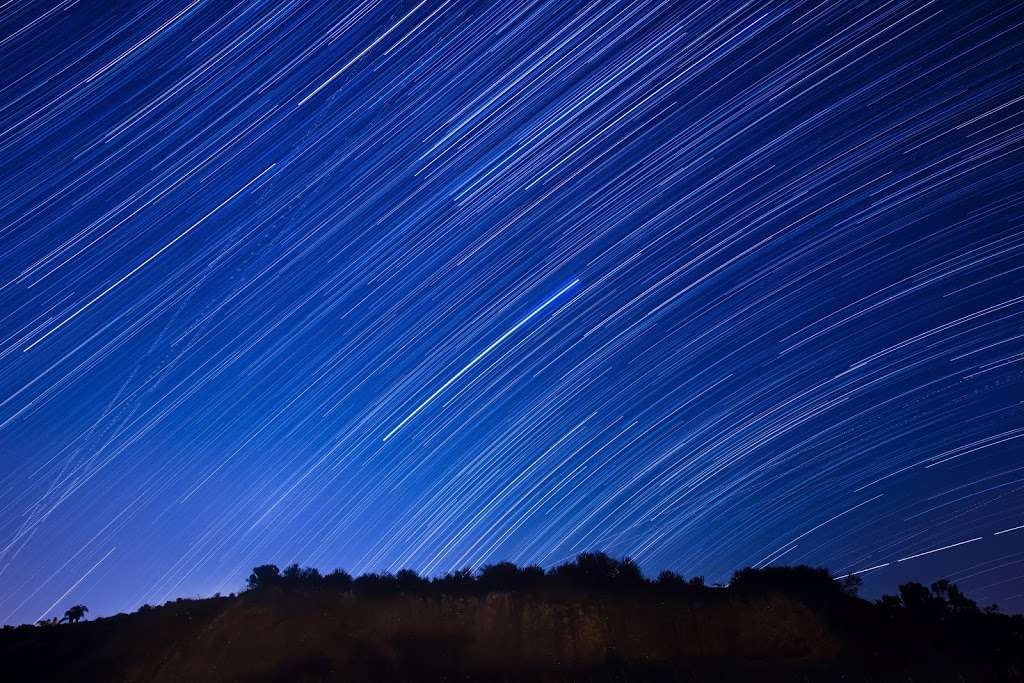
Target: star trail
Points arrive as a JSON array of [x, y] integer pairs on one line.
[[378, 285]]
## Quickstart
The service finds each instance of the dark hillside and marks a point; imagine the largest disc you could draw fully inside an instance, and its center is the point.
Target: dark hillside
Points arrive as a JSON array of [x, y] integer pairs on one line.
[[573, 623]]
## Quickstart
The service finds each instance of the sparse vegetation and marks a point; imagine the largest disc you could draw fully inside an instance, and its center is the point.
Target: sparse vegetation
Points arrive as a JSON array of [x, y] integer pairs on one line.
[[594, 618]]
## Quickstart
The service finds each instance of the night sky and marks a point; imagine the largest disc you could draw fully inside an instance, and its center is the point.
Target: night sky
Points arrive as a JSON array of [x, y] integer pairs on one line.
[[377, 285]]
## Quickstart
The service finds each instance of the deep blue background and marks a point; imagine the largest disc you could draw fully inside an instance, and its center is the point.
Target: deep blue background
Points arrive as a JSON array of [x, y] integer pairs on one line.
[[242, 243]]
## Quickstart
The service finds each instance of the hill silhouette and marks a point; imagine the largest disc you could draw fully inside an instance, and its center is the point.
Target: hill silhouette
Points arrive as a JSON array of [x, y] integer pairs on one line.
[[595, 618]]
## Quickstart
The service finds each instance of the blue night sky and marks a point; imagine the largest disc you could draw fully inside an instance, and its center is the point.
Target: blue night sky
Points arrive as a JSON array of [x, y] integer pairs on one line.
[[377, 285]]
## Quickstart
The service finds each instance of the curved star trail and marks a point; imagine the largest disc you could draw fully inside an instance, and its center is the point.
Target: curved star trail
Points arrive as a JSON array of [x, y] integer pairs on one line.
[[430, 284]]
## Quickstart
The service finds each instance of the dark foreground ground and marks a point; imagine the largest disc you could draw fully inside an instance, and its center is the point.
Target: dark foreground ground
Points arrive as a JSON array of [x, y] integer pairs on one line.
[[752, 632]]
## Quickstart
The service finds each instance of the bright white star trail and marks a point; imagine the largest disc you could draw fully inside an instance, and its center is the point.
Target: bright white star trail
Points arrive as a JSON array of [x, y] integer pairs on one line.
[[430, 284], [479, 356]]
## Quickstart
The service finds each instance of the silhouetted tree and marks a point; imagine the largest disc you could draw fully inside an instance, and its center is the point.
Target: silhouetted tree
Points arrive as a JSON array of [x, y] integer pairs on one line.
[[956, 602], [295, 576], [851, 584], [813, 585], [669, 580], [918, 598], [458, 581], [505, 576], [338, 579], [264, 576], [376, 584], [598, 571], [75, 613], [409, 582], [533, 574], [628, 574], [942, 600], [890, 603]]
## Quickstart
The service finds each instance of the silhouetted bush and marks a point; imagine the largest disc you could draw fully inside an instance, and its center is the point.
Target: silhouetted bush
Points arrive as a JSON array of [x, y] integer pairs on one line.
[[295, 576], [813, 585], [460, 581], [942, 600], [375, 584], [339, 580], [671, 581], [599, 572], [505, 576], [268, 575], [850, 584], [411, 583]]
